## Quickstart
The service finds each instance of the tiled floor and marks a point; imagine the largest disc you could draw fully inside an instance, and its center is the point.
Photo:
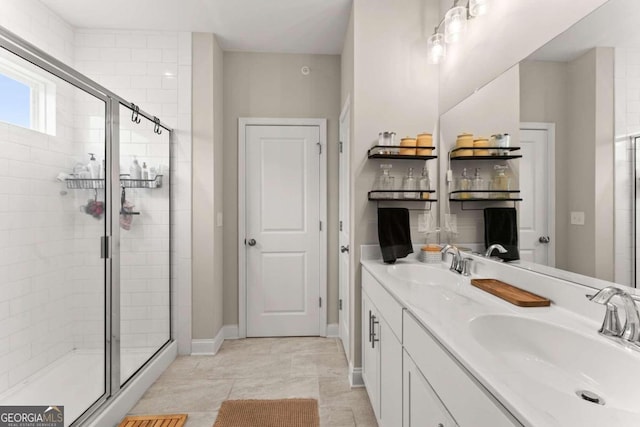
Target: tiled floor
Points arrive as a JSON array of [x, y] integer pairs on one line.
[[261, 368]]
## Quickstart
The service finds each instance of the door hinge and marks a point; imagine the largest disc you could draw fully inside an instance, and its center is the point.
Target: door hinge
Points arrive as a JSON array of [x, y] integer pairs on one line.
[[340, 146], [104, 247], [319, 148], [320, 302], [320, 225], [340, 304], [340, 226]]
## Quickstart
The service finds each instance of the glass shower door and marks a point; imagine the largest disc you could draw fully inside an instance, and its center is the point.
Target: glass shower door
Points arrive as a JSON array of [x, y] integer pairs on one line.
[[52, 223], [144, 241]]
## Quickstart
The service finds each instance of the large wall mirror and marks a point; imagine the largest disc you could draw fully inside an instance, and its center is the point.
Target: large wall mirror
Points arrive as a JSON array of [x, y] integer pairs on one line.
[[579, 126], [580, 109]]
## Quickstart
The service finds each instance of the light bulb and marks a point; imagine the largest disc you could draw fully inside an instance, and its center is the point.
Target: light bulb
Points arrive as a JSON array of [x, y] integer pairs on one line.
[[436, 50], [478, 7], [455, 23]]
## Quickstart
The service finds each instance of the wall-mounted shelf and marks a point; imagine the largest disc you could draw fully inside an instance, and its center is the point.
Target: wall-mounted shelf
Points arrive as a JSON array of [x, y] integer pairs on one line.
[[95, 184], [454, 196], [490, 157], [393, 152], [379, 196]]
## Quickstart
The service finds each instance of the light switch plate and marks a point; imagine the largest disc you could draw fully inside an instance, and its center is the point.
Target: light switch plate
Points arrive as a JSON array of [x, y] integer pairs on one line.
[[577, 218]]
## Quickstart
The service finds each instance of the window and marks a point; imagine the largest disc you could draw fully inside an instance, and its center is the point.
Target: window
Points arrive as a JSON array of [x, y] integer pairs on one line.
[[27, 98]]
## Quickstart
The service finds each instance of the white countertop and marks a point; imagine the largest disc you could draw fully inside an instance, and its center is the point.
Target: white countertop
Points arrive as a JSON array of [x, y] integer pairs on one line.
[[447, 312]]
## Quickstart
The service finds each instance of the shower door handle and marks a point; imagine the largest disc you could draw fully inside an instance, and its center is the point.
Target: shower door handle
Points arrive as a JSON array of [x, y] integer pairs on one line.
[[104, 247]]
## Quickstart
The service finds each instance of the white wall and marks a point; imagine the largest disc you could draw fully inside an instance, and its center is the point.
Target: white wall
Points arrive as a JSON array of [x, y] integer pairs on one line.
[[510, 32]]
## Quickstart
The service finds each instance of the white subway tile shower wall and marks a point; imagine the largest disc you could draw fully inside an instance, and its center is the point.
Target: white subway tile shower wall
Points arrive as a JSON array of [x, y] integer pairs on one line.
[[152, 69], [627, 109]]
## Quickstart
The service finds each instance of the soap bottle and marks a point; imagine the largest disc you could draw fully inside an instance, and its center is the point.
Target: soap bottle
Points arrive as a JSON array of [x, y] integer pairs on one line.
[[477, 184], [385, 183], [135, 171], [500, 182], [94, 167], [424, 184], [409, 185], [464, 184]]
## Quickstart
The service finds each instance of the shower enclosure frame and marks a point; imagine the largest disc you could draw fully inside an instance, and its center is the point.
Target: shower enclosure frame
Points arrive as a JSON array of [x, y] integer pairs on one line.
[[29, 52]]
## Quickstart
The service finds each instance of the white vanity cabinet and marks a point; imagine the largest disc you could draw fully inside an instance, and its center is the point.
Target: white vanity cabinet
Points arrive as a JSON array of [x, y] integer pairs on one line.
[[468, 402], [382, 351], [421, 406]]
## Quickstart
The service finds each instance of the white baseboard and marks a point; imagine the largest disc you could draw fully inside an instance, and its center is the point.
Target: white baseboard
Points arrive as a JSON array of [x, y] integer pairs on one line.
[[332, 330], [202, 347], [113, 413], [355, 376]]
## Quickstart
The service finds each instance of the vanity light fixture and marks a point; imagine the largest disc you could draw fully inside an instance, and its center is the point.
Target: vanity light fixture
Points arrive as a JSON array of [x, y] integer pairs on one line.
[[478, 7], [455, 24], [436, 48]]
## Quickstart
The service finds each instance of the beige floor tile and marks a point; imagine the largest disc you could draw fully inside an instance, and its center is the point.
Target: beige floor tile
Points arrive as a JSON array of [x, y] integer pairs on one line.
[[189, 395], [245, 366], [201, 419], [336, 417], [319, 365], [314, 345], [275, 388], [261, 368], [337, 392]]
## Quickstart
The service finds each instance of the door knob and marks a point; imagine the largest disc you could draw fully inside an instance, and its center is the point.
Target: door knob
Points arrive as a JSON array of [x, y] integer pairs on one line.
[[344, 249], [544, 239], [251, 242]]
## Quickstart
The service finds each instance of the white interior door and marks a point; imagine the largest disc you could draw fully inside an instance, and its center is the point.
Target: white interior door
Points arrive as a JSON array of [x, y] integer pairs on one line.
[[344, 227], [536, 186], [282, 230]]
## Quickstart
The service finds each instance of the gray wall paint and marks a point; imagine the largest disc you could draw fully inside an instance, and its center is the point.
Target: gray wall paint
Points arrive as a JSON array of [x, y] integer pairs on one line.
[[543, 98], [578, 97], [207, 187], [271, 85]]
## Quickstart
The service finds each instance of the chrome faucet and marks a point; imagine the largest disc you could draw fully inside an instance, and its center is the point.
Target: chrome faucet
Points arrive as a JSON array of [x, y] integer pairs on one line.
[[456, 261], [611, 324], [493, 247]]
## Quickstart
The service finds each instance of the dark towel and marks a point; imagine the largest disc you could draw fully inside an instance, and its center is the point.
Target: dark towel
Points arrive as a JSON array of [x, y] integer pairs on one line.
[[501, 226], [394, 234]]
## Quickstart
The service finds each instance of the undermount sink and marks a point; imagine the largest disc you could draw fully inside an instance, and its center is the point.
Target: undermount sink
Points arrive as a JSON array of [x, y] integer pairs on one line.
[[422, 274], [562, 359]]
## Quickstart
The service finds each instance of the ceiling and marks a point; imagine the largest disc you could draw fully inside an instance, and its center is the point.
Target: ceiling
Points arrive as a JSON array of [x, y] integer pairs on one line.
[[614, 24], [285, 26]]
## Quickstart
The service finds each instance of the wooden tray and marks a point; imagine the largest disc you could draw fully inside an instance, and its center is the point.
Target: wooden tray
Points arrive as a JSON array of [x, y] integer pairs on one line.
[[510, 293]]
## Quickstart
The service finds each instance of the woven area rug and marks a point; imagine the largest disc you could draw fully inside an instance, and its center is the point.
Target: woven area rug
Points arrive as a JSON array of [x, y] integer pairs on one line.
[[268, 413], [177, 420]]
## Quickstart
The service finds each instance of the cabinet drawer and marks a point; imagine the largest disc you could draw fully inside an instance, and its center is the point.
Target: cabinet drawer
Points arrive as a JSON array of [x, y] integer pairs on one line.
[[387, 306], [467, 401]]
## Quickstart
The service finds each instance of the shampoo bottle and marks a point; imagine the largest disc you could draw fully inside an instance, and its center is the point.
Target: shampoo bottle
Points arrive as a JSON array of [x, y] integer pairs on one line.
[[135, 171], [94, 167]]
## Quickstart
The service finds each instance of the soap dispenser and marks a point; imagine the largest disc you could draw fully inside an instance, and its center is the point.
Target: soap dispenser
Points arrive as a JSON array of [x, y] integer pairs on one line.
[[94, 167], [409, 185], [500, 182], [477, 185]]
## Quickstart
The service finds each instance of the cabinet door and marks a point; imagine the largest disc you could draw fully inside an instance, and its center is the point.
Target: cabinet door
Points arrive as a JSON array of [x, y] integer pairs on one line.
[[370, 362], [390, 376], [421, 406]]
